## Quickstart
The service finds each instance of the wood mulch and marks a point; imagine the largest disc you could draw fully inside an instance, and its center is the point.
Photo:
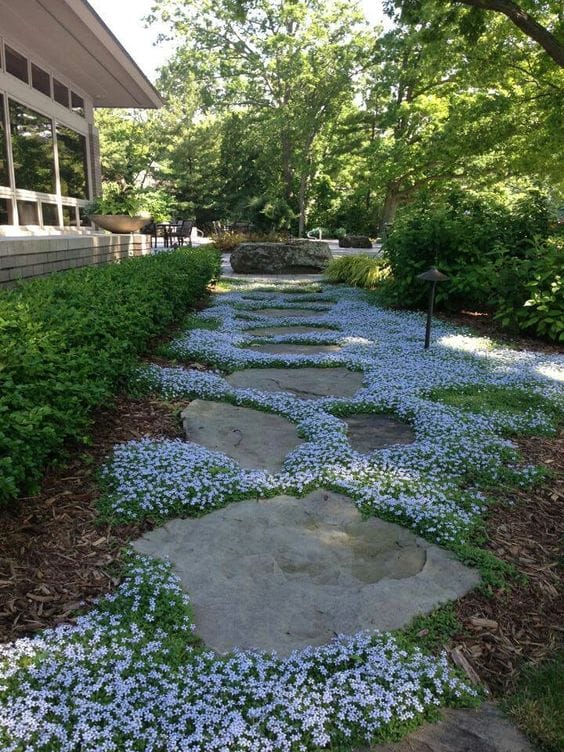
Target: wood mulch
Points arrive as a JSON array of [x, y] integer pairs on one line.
[[526, 622], [54, 553]]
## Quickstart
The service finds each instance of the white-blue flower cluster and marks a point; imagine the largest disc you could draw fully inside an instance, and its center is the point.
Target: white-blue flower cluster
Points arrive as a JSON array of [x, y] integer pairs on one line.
[[130, 677], [429, 485]]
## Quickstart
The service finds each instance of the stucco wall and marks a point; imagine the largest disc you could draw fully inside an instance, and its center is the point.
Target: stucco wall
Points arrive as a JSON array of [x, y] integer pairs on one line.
[[23, 258]]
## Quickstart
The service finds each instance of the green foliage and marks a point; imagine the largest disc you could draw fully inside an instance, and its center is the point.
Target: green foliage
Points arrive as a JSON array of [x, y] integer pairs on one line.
[[228, 241], [480, 243], [533, 292], [359, 271], [538, 703], [433, 631], [69, 340], [487, 399]]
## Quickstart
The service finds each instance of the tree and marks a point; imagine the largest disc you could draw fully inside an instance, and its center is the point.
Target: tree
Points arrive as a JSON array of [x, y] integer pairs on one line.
[[517, 13], [292, 61]]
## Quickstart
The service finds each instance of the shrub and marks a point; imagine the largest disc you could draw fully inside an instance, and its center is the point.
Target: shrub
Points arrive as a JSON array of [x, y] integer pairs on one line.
[[227, 241], [531, 292], [470, 238], [67, 341], [359, 271]]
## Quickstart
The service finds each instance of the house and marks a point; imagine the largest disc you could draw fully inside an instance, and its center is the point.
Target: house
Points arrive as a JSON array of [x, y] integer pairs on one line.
[[58, 61]]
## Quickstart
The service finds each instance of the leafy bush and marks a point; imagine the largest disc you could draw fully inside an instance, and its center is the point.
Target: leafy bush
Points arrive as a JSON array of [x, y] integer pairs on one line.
[[474, 240], [533, 292], [68, 340], [359, 270], [126, 199], [228, 241]]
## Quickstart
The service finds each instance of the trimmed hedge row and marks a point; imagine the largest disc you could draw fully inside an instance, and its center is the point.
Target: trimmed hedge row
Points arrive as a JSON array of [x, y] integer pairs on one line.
[[68, 341]]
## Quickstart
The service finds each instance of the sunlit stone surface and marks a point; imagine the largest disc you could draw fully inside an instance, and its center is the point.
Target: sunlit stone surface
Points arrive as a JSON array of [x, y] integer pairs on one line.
[[306, 383], [283, 573], [254, 439]]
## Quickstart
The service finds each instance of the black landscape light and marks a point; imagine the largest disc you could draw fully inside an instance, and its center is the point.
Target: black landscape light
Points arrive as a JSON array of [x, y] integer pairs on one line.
[[433, 275]]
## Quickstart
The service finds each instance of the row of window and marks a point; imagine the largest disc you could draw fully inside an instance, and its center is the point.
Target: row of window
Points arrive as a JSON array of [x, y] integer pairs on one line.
[[42, 213], [32, 137], [19, 66]]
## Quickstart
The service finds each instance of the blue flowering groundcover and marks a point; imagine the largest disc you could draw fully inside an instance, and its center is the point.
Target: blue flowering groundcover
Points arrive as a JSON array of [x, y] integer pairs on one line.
[[132, 675]]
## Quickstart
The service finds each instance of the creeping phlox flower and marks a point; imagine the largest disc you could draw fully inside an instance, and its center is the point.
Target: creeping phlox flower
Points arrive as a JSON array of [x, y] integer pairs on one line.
[[129, 675], [427, 485]]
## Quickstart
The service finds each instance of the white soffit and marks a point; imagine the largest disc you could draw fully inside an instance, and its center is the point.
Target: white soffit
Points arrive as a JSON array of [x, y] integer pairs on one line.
[[70, 37]]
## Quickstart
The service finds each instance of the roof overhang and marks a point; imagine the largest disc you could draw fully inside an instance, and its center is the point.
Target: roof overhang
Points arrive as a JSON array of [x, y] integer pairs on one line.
[[69, 36]]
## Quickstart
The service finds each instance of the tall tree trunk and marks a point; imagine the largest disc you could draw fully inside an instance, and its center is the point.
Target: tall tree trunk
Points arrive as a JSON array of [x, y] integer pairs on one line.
[[287, 172], [524, 21], [391, 203]]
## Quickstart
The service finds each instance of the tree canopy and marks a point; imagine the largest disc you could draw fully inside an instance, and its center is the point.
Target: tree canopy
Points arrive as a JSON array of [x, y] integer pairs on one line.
[[298, 113]]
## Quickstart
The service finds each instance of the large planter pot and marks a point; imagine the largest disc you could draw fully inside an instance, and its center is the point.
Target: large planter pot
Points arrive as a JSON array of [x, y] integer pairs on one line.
[[121, 223]]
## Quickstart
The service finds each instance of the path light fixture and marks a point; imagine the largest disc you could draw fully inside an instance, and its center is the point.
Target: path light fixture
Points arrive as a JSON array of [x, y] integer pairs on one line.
[[433, 275]]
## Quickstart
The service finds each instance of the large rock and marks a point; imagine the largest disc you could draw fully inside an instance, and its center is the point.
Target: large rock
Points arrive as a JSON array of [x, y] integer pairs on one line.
[[304, 383], [355, 241], [283, 573], [295, 257]]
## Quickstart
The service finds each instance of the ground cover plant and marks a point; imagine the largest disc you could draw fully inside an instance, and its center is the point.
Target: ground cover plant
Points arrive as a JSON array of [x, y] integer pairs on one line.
[[137, 648], [67, 341]]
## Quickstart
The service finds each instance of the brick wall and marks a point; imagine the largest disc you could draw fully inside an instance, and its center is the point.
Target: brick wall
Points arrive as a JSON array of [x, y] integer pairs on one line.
[[23, 258]]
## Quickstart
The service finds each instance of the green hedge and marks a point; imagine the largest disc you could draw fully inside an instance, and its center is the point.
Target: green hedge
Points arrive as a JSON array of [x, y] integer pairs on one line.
[[66, 343]]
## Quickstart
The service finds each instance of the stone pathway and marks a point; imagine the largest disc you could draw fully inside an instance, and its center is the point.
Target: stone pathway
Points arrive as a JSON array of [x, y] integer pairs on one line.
[[284, 573]]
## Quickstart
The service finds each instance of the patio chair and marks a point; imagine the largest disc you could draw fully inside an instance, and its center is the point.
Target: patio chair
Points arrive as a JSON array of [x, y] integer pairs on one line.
[[181, 231]]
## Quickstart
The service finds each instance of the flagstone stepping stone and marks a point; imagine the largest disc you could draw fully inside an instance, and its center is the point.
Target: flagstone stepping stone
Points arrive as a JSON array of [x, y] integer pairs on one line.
[[304, 383], [274, 331], [283, 573], [282, 313], [367, 433], [483, 729], [254, 439], [290, 349]]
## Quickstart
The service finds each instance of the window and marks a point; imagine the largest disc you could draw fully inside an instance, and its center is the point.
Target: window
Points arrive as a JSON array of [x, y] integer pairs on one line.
[[16, 64], [6, 212], [72, 162], [27, 212], [32, 149], [77, 104], [50, 215], [40, 80], [60, 93], [69, 216], [4, 173]]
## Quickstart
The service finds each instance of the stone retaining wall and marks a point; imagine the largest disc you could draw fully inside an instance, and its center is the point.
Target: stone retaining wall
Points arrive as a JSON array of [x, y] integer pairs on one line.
[[23, 258]]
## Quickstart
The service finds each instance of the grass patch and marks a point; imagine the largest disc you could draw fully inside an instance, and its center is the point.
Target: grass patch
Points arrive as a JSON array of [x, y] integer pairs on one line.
[[538, 703], [359, 271]]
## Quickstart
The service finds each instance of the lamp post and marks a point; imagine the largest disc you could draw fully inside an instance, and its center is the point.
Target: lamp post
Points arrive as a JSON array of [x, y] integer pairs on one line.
[[433, 275]]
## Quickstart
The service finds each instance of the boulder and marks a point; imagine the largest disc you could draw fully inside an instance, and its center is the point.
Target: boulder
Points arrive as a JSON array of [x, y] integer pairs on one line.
[[355, 241], [295, 257]]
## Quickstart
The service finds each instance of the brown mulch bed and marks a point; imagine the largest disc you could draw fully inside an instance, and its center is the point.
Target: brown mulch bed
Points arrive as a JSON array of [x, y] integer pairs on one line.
[[525, 623], [54, 553], [486, 326]]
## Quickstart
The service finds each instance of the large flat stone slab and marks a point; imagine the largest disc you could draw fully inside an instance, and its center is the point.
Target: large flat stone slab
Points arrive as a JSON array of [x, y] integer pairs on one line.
[[274, 331], [283, 313], [483, 729], [367, 433], [254, 439], [305, 383], [289, 349], [283, 573]]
